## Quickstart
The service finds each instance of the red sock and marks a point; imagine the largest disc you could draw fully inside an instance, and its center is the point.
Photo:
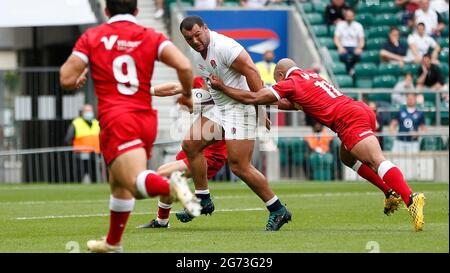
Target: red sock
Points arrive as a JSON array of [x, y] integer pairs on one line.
[[394, 178], [120, 211], [117, 223], [164, 210], [151, 184], [367, 173]]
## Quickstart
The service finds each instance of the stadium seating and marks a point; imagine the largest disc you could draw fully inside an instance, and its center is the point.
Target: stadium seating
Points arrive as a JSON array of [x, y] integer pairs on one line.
[[431, 144], [344, 81], [321, 166]]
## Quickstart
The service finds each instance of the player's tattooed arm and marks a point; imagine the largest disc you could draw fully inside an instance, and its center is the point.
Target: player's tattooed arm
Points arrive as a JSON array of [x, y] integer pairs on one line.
[[263, 96], [167, 89]]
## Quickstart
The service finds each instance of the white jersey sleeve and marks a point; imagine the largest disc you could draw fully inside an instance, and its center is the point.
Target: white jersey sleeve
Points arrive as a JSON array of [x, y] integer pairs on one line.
[[230, 50]]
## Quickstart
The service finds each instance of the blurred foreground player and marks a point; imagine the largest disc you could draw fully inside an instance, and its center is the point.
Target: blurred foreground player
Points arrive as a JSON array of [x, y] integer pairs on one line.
[[121, 55], [353, 121]]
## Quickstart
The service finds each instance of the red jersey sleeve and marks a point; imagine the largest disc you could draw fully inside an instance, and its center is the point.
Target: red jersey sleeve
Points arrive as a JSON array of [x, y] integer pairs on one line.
[[81, 48], [283, 89], [162, 41]]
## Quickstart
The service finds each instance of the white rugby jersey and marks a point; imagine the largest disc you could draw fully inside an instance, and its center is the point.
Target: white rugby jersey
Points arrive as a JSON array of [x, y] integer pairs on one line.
[[222, 51]]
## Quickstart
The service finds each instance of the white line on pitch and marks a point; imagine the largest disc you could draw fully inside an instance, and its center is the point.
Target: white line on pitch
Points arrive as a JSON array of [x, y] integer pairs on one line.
[[107, 214], [294, 195]]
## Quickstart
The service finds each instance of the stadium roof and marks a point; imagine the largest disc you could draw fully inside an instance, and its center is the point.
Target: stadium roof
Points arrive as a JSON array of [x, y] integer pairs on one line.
[[26, 13]]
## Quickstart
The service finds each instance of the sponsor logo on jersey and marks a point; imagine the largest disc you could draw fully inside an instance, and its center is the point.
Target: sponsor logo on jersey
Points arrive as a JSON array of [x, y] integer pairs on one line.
[[110, 41], [201, 67], [213, 64]]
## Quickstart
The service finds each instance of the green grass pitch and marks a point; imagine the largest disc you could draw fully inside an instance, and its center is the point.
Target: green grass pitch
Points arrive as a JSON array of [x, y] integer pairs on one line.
[[327, 217]]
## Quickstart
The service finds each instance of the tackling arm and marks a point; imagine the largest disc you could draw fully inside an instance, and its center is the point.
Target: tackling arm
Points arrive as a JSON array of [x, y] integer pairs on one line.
[[263, 96], [167, 89]]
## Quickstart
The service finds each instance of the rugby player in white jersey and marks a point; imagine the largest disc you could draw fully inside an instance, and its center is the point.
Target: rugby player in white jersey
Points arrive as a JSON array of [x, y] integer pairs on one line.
[[213, 53]]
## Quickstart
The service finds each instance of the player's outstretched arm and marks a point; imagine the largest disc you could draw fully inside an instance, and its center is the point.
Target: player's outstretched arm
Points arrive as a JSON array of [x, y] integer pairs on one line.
[[72, 74], [174, 58], [167, 89], [263, 96]]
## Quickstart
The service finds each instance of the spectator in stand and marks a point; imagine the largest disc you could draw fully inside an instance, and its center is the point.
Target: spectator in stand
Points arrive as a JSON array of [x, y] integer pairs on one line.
[[159, 9], [410, 8], [349, 40], [407, 84], [432, 20], [440, 6], [207, 4], [266, 68], [429, 75], [419, 44], [409, 120], [393, 50], [319, 144], [334, 12]]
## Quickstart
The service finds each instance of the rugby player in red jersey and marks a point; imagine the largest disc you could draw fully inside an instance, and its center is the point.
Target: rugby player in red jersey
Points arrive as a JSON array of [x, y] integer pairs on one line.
[[353, 121], [121, 55]]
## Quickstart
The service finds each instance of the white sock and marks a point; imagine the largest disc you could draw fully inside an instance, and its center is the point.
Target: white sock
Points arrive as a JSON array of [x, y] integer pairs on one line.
[[357, 165], [384, 167], [271, 201], [121, 205], [162, 222], [202, 191]]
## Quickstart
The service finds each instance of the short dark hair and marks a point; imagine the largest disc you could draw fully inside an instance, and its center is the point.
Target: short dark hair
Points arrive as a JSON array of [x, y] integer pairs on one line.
[[189, 22], [427, 55], [393, 28], [121, 6], [421, 24]]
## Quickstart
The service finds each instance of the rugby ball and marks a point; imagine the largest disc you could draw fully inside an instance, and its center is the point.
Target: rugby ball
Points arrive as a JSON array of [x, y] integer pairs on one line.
[[201, 96]]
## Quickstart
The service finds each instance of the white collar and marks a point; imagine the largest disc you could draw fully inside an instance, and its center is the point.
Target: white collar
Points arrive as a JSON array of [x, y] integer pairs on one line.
[[290, 71], [122, 17]]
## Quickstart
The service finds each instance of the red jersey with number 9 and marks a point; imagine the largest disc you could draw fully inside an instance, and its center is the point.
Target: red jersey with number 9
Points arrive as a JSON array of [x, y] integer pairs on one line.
[[313, 95], [121, 55]]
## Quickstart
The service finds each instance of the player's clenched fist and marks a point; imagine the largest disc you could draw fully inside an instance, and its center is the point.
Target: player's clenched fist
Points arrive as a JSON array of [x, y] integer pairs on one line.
[[186, 101], [215, 82]]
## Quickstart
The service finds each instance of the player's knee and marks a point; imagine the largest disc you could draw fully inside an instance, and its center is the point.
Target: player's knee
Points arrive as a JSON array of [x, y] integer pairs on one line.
[[238, 169]]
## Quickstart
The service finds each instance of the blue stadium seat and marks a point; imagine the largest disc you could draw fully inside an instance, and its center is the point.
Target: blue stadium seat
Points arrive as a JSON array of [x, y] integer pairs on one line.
[[315, 18], [338, 68], [320, 30], [389, 69], [320, 7], [429, 143], [366, 70], [344, 81], [378, 32], [366, 19], [386, 19], [386, 81], [326, 42], [370, 56], [307, 7], [375, 43]]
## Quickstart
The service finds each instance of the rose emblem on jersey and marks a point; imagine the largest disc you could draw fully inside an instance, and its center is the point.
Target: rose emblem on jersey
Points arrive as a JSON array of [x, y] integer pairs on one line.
[[213, 64], [233, 130]]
